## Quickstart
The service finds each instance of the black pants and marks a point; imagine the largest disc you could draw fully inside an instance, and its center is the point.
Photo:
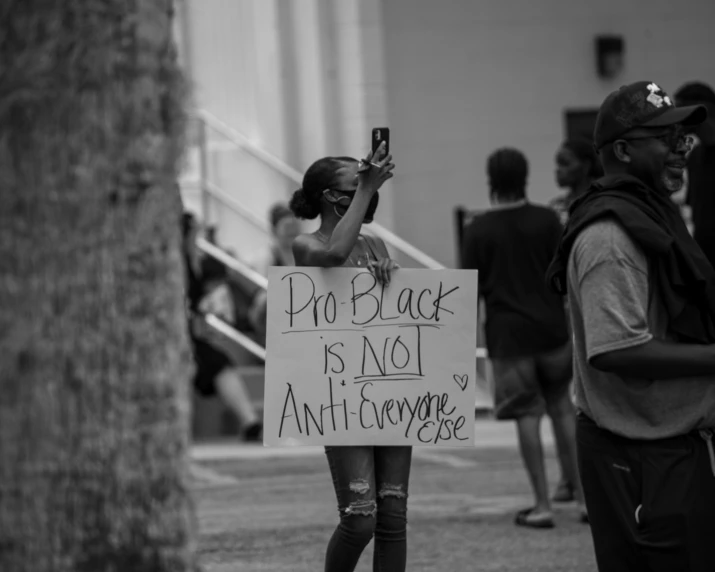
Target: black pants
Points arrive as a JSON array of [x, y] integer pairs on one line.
[[651, 504], [371, 486]]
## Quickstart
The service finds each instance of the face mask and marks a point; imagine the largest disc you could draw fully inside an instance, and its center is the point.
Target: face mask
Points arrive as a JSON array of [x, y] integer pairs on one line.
[[341, 201], [344, 202]]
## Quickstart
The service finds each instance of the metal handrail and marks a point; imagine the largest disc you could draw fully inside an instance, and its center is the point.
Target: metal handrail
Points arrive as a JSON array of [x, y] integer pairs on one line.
[[236, 336], [247, 145], [276, 164], [233, 263], [236, 206]]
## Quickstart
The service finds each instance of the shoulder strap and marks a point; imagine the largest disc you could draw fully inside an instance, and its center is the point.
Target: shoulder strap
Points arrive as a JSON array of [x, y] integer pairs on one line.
[[377, 247]]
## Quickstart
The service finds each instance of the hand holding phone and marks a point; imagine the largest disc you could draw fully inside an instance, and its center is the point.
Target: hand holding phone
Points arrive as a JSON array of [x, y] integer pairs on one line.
[[380, 134], [377, 167]]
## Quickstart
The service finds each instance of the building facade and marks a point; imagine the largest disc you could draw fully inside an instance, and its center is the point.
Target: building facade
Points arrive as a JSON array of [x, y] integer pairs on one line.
[[453, 79]]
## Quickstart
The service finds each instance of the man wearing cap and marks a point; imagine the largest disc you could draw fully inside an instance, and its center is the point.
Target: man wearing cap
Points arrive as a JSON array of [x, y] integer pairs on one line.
[[642, 307]]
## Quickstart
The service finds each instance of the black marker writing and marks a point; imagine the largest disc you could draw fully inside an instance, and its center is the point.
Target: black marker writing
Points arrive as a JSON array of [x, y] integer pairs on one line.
[[329, 350], [367, 306], [291, 397], [398, 353], [364, 402], [358, 349], [309, 415], [329, 308]]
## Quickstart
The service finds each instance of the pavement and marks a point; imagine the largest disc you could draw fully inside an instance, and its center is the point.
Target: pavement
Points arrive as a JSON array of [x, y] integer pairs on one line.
[[273, 509]]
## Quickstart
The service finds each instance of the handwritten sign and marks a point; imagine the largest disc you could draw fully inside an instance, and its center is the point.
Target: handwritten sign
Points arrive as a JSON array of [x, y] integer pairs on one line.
[[352, 363]]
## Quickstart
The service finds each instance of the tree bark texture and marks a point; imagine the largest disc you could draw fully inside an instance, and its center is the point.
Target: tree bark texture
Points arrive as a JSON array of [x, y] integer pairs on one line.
[[94, 359]]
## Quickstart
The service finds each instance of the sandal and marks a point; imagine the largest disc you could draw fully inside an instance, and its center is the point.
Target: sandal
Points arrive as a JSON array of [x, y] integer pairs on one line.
[[525, 518], [253, 432]]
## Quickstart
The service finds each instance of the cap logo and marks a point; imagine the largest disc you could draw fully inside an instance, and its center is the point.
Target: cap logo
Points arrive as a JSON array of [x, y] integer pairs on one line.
[[657, 97]]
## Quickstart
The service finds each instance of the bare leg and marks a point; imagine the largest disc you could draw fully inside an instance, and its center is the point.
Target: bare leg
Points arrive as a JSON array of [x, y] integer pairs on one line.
[[232, 390], [565, 489], [532, 453], [563, 419]]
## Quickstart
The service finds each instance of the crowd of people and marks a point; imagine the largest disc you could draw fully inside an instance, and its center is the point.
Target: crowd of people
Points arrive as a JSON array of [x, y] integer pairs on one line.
[[626, 260], [600, 313]]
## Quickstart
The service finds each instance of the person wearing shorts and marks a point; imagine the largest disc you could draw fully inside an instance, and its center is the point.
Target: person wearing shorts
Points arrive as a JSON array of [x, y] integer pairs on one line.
[[528, 385], [511, 245]]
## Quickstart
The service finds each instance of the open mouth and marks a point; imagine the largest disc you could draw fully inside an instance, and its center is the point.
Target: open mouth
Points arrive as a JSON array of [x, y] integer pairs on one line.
[[675, 169]]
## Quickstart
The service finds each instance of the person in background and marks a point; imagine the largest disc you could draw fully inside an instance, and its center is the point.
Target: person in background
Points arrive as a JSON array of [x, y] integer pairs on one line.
[[642, 304], [700, 182], [243, 292], [207, 293], [577, 166], [285, 227], [527, 337]]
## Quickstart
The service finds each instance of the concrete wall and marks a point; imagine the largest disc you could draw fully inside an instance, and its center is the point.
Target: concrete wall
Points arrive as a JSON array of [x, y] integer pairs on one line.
[[454, 79], [467, 76]]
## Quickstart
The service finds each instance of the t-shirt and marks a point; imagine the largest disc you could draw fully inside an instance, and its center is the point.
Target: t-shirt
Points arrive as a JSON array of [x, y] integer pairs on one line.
[[614, 304], [512, 247]]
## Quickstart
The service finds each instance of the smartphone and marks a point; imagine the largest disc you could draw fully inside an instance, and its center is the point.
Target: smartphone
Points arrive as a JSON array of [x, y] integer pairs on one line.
[[380, 134]]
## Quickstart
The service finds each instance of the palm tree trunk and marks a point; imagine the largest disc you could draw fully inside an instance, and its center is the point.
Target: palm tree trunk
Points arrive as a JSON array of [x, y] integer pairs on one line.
[[94, 368]]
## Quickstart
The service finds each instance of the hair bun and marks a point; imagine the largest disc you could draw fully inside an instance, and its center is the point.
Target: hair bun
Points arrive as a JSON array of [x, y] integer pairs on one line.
[[302, 207]]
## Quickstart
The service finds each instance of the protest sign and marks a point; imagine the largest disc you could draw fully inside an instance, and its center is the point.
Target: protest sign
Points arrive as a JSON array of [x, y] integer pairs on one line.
[[352, 363]]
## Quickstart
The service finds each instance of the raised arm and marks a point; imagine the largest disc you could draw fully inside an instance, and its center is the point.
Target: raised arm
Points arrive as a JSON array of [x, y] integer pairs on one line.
[[310, 251]]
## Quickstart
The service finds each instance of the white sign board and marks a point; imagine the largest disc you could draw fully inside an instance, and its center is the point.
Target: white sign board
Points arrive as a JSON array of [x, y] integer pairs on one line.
[[352, 363]]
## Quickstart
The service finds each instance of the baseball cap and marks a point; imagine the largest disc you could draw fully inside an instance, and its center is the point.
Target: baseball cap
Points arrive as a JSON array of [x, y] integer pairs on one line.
[[641, 104]]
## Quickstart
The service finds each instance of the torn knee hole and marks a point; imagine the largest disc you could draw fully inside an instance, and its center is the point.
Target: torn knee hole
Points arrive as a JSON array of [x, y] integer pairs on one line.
[[362, 508], [388, 490], [360, 486]]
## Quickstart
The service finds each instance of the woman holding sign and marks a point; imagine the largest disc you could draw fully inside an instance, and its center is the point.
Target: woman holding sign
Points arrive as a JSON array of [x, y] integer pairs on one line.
[[370, 482]]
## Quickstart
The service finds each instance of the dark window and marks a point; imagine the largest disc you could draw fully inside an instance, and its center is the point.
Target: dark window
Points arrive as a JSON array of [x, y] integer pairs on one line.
[[579, 123]]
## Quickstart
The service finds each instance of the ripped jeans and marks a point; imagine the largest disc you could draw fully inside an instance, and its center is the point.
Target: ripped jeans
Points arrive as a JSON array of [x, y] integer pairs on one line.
[[371, 486]]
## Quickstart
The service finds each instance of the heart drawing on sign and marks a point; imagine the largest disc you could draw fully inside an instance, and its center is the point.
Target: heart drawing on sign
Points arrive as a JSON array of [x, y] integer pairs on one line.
[[461, 380]]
